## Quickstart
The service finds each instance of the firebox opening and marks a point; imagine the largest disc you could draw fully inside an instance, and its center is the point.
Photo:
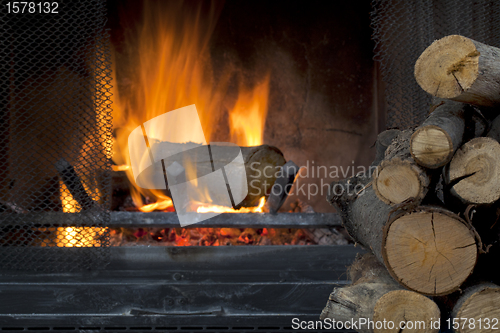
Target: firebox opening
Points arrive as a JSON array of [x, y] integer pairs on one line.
[[304, 83]]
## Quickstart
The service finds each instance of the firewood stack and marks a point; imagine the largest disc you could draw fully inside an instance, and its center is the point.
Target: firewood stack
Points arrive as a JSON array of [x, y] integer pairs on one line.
[[428, 212]]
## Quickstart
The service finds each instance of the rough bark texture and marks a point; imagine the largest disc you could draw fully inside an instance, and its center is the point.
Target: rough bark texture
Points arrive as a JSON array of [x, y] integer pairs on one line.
[[375, 296], [398, 177], [384, 140], [494, 130], [461, 69], [436, 140], [364, 215]]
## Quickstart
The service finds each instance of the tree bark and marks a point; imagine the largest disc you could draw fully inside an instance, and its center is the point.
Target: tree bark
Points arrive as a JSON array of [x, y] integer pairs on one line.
[[494, 130], [399, 178], [384, 140], [375, 296], [434, 142], [363, 214], [461, 69], [426, 249]]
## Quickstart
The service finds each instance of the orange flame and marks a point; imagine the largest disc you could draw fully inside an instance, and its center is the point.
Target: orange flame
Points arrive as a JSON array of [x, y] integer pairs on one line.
[[168, 62], [248, 117], [159, 205], [222, 209], [69, 204], [79, 236]]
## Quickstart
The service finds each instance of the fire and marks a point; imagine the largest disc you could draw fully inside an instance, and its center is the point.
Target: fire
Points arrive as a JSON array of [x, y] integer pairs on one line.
[[159, 205], [248, 117], [79, 236], [120, 167], [69, 204], [222, 209], [168, 66], [72, 236]]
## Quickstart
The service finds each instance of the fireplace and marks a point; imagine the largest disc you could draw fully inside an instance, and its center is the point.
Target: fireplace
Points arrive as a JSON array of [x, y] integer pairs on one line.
[[86, 249]]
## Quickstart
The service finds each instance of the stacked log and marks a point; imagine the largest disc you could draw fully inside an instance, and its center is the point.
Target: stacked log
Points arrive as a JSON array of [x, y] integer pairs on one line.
[[374, 297], [429, 212]]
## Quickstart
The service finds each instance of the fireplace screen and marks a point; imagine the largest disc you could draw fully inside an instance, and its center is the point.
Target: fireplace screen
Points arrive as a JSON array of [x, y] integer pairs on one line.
[[55, 137], [404, 29]]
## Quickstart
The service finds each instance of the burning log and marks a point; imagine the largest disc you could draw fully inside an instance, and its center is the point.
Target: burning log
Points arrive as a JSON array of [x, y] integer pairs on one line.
[[399, 178], [477, 169], [262, 166], [73, 183], [477, 309], [282, 186], [460, 69], [375, 296]]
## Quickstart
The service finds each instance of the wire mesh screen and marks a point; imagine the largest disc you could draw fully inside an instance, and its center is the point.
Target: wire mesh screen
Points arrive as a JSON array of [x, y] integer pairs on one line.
[[402, 30], [55, 136]]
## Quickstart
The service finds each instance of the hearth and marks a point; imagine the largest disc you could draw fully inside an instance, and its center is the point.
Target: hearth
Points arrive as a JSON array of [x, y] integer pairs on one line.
[[83, 248]]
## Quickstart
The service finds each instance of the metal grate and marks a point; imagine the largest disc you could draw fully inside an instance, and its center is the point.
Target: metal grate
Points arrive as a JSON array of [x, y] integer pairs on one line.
[[404, 29], [55, 136]]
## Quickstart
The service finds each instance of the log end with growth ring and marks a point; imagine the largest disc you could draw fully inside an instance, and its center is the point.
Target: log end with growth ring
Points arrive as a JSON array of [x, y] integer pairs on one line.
[[430, 250], [408, 307], [431, 147], [480, 305], [397, 180], [478, 163], [448, 67]]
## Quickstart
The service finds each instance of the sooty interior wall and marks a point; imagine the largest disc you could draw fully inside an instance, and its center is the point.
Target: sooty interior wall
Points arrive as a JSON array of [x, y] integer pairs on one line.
[[323, 107]]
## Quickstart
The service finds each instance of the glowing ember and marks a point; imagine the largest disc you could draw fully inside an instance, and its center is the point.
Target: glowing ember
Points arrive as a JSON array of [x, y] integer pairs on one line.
[[208, 237], [170, 67]]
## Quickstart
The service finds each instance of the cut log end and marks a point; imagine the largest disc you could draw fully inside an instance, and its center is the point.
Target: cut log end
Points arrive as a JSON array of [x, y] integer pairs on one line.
[[431, 147], [477, 162], [429, 251], [448, 67], [483, 305], [404, 306], [399, 180]]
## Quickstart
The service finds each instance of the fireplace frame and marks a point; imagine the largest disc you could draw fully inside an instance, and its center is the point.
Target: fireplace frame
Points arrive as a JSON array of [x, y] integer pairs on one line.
[[226, 289]]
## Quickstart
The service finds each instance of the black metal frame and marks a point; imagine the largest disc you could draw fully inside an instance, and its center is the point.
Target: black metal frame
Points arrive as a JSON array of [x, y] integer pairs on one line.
[[229, 220], [226, 289]]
